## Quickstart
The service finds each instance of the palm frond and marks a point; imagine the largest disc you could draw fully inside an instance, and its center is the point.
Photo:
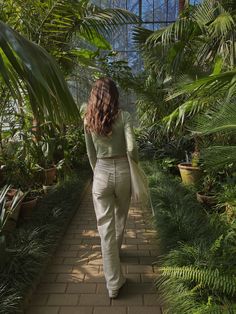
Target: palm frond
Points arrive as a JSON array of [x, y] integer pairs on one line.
[[221, 120], [140, 35], [216, 157], [222, 25], [205, 13], [180, 30], [28, 69], [187, 110], [107, 20], [203, 93]]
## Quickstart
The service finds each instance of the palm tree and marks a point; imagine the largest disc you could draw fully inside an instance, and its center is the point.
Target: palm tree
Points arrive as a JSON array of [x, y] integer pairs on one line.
[[200, 43]]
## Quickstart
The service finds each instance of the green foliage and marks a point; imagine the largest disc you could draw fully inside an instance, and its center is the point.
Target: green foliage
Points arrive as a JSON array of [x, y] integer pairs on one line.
[[197, 262], [177, 213], [9, 299], [202, 277], [217, 122], [28, 69], [7, 211], [203, 94], [31, 245]]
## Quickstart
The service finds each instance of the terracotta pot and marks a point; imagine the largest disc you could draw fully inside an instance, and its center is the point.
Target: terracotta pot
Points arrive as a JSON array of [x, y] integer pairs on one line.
[[209, 200], [2, 251], [27, 207], [50, 175], [190, 175]]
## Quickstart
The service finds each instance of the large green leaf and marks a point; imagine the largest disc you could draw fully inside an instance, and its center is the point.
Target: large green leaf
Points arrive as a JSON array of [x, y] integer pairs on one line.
[[96, 39], [37, 74]]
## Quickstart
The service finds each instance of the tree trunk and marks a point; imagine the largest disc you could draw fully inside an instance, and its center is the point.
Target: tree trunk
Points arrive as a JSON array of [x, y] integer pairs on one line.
[[181, 5]]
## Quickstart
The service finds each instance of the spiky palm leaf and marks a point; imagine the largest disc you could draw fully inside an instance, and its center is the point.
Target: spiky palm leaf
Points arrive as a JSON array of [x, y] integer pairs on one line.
[[202, 94]]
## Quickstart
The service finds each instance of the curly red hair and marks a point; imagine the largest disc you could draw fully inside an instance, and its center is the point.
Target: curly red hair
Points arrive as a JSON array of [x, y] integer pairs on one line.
[[103, 106]]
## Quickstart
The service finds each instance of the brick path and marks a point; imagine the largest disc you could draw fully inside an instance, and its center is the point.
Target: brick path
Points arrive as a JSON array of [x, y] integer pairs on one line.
[[74, 281]]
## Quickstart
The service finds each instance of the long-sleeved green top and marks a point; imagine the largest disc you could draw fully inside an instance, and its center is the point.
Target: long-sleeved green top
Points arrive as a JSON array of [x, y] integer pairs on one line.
[[121, 140]]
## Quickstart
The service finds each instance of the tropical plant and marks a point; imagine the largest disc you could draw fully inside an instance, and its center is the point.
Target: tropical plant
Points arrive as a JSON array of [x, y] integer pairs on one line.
[[203, 94], [177, 213], [199, 43], [76, 34], [9, 299], [27, 69], [218, 121], [204, 277], [7, 211], [201, 34], [28, 247], [192, 281]]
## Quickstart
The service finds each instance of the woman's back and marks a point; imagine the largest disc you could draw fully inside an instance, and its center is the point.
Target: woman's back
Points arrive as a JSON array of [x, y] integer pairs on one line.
[[117, 143], [113, 144]]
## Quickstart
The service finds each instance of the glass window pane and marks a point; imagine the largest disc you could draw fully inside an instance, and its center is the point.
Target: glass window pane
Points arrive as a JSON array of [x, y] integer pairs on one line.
[[133, 6], [147, 10], [118, 4]]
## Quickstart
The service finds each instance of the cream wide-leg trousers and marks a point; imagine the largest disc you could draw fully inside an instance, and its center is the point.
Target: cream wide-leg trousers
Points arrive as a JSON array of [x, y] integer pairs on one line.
[[111, 197]]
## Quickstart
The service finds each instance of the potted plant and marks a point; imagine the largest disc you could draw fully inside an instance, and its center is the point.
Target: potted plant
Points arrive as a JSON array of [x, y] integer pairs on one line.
[[28, 204], [207, 195], [42, 153], [190, 171]]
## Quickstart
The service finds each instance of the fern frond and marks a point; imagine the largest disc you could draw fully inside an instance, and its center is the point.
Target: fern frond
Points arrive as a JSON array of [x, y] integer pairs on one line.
[[211, 279]]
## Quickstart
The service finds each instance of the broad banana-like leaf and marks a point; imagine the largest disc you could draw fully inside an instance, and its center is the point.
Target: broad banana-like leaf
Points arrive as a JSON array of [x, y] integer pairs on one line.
[[27, 69]]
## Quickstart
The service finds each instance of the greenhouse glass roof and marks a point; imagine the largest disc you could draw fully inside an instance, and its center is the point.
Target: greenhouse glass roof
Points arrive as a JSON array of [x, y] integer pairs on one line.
[[154, 15]]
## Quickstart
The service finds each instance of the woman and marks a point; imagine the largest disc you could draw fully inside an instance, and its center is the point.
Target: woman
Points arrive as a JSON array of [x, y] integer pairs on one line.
[[109, 136]]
